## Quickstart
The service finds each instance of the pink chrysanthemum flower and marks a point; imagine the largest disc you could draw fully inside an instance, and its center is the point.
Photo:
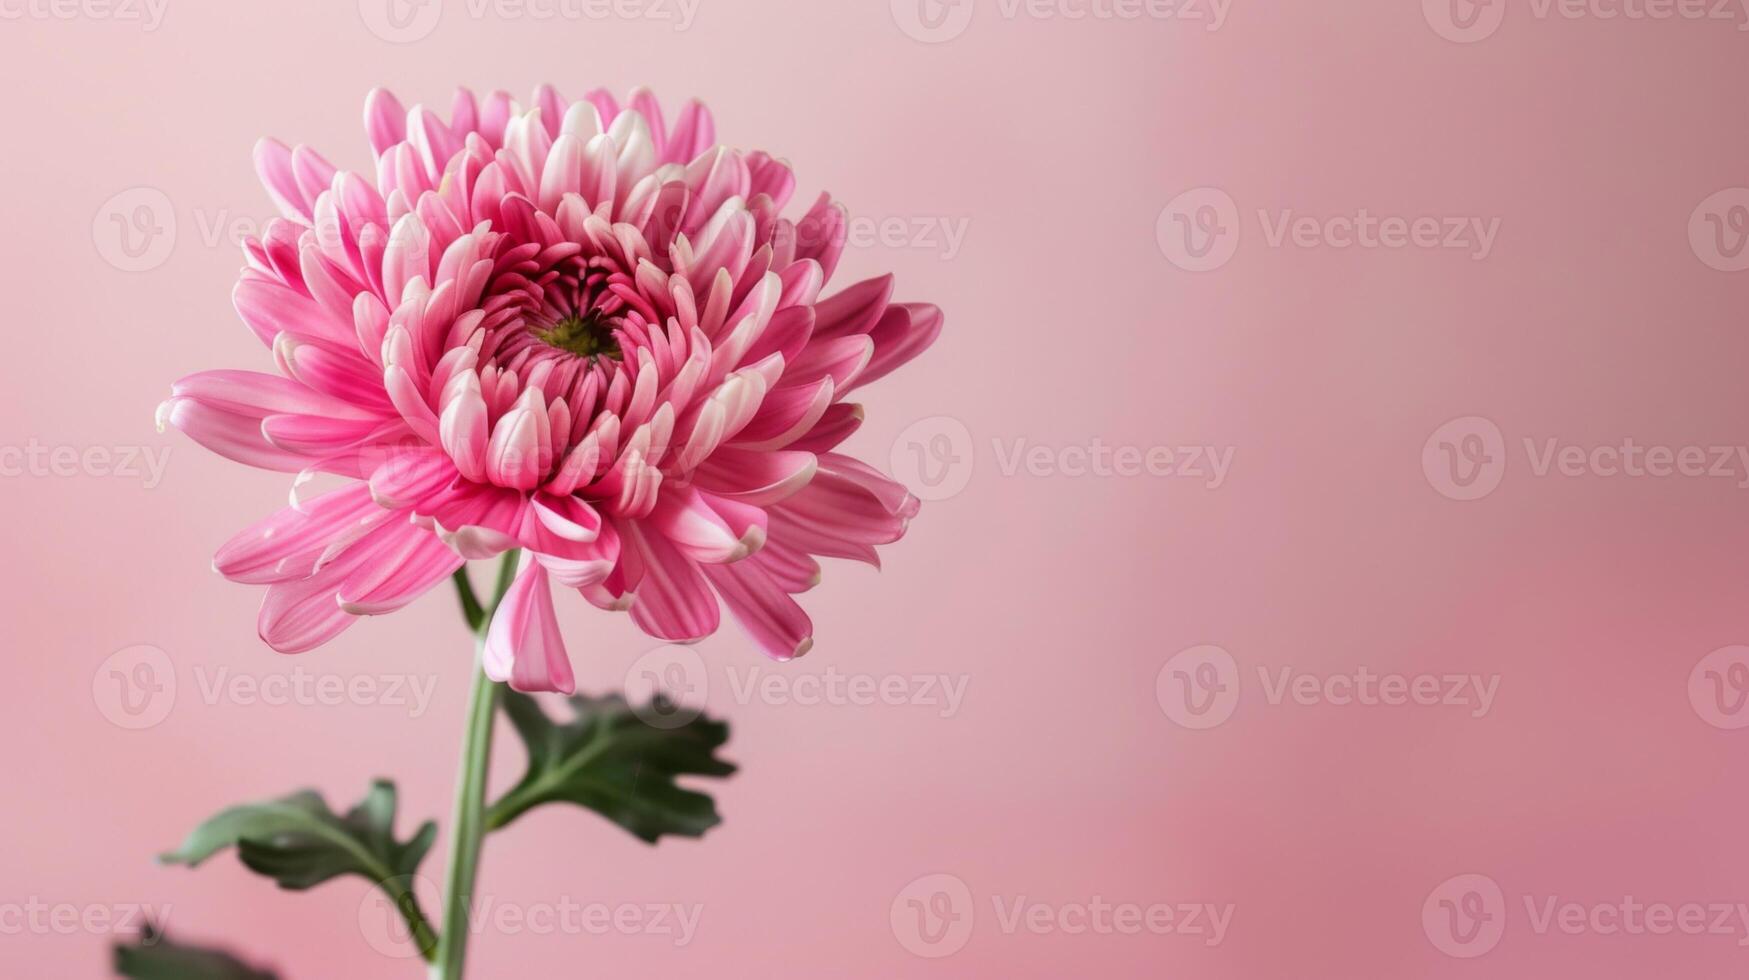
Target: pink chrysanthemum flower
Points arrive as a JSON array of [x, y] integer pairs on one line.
[[572, 329]]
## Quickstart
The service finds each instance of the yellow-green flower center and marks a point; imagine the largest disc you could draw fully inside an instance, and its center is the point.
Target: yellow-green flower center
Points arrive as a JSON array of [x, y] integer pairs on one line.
[[589, 335]]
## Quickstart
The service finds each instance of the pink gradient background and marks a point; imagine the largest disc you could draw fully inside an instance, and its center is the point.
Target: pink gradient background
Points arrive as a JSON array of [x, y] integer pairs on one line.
[[1056, 599]]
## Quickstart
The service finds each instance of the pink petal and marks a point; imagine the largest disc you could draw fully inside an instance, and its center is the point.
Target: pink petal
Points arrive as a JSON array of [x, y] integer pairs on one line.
[[385, 120], [273, 164], [477, 520], [404, 569], [760, 479], [233, 436], [524, 645], [708, 528], [854, 310], [838, 424], [410, 477], [775, 622], [287, 545], [297, 617], [903, 332], [316, 435], [671, 599], [261, 395]]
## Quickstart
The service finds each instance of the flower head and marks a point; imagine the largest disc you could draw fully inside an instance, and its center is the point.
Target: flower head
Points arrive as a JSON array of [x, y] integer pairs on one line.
[[569, 328]]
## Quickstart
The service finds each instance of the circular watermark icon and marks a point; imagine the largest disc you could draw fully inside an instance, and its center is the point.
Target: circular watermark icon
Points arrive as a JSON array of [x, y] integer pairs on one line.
[[382, 920], [932, 917], [1465, 459], [135, 230], [1199, 688], [1718, 231], [401, 21], [933, 21], [1465, 916], [667, 687], [135, 687], [1718, 688], [1198, 231], [934, 457], [1464, 21]]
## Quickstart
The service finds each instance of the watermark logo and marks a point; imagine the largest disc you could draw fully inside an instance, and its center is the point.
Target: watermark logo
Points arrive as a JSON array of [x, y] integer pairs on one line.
[[1465, 459], [933, 21], [934, 457], [135, 687], [1718, 688], [1718, 231], [135, 230], [933, 916], [383, 920], [1464, 21], [1199, 229], [1199, 688], [1465, 916], [667, 686], [401, 21]]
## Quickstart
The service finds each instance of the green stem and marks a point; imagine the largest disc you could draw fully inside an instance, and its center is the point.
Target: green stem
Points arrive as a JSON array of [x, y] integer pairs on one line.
[[468, 828]]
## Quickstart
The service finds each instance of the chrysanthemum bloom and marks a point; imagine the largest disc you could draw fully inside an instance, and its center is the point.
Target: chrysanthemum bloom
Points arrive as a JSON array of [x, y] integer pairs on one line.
[[571, 329]]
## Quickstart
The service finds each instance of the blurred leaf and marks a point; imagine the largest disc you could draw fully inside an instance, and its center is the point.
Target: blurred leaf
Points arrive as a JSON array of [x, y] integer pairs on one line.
[[300, 843], [609, 760], [155, 958]]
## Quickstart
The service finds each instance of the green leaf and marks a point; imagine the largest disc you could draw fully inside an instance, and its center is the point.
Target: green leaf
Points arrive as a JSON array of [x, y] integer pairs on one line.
[[156, 958], [609, 760], [300, 843]]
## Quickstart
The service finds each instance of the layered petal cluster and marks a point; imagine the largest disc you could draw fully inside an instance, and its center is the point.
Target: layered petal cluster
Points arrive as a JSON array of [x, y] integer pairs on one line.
[[572, 328]]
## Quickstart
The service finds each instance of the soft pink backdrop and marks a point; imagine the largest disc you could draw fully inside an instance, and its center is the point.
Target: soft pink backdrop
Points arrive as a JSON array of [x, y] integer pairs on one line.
[[1055, 599]]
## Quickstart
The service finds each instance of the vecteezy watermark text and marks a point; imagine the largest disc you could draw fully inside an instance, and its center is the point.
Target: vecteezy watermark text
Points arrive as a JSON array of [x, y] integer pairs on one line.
[[834, 688], [385, 929], [1467, 459], [407, 21], [1467, 915], [148, 13], [1470, 21], [137, 687], [1200, 688], [938, 21], [934, 916], [1200, 231], [36, 460], [936, 458], [35, 917], [679, 676]]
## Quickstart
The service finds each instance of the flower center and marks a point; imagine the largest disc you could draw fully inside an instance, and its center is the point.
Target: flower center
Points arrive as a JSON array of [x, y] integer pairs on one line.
[[588, 335]]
